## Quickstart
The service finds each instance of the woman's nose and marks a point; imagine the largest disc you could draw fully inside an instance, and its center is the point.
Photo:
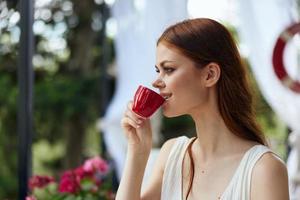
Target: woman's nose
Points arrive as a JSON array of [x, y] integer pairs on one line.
[[158, 83]]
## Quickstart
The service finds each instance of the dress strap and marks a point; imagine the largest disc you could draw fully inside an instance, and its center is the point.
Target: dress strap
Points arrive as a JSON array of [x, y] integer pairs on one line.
[[171, 185]]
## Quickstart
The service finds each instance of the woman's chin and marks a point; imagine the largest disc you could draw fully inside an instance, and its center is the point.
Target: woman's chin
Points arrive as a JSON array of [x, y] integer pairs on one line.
[[170, 115]]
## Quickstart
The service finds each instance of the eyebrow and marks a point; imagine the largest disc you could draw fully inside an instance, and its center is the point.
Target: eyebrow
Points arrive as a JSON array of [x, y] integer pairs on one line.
[[164, 62]]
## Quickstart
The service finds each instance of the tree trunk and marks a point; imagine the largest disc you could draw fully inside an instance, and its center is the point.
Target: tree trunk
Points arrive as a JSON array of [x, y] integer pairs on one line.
[[81, 41], [75, 141]]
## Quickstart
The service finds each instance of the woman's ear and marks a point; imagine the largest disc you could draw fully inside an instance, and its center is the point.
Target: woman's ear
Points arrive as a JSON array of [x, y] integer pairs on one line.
[[212, 74]]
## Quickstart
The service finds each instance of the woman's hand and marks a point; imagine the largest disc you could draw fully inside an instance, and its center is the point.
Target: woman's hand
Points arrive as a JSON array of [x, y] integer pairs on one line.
[[137, 130]]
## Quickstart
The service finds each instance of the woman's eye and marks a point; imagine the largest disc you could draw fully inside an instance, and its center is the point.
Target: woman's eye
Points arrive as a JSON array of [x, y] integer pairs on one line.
[[168, 69]]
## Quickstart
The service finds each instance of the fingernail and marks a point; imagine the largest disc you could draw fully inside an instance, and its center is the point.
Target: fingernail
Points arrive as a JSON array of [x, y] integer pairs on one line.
[[139, 121]]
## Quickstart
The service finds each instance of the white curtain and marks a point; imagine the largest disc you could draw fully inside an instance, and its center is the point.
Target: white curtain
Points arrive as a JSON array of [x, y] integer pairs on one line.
[[139, 24], [261, 22]]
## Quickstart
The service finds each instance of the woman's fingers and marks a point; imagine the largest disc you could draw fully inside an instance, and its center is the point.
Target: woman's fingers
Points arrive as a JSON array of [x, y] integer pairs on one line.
[[129, 127], [127, 121], [137, 130], [138, 119]]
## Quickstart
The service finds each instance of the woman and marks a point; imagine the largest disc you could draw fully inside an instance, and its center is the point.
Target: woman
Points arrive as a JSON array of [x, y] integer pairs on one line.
[[200, 73]]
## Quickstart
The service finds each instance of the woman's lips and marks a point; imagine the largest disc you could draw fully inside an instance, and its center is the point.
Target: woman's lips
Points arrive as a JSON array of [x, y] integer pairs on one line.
[[166, 96]]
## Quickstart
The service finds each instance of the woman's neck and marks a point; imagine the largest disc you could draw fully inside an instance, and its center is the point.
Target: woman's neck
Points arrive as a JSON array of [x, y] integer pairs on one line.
[[214, 137]]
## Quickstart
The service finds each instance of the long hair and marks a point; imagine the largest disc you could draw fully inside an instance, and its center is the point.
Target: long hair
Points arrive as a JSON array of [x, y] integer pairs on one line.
[[204, 41]]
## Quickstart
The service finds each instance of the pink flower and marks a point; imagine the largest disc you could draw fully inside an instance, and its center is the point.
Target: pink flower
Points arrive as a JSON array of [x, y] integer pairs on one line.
[[96, 164], [30, 198], [69, 183], [81, 173], [40, 181], [81, 181]]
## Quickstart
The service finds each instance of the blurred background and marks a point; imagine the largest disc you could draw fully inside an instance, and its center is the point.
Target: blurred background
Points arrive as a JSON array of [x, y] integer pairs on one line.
[[78, 77]]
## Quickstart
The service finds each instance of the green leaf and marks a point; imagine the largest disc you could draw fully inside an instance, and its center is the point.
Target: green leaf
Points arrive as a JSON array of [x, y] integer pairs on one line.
[[86, 184]]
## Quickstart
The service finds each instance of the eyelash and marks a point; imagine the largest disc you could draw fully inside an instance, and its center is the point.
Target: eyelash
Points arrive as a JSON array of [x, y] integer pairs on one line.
[[168, 70]]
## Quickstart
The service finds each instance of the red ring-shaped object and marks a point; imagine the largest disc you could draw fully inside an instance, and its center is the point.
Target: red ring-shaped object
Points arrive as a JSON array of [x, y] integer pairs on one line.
[[278, 64]]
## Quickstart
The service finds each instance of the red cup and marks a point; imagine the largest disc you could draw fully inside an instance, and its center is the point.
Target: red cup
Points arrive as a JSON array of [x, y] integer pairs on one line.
[[146, 101]]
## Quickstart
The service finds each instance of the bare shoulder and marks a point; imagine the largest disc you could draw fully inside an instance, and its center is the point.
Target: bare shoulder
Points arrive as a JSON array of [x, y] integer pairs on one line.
[[269, 179]]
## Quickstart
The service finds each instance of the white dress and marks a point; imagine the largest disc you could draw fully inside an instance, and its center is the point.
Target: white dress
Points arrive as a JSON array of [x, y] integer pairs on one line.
[[237, 189]]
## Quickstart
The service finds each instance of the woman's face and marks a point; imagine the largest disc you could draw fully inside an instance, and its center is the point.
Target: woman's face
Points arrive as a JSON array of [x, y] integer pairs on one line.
[[179, 81]]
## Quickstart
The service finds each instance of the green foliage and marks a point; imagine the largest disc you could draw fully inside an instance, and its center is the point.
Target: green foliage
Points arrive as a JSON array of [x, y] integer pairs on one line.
[[66, 88], [47, 156], [61, 98], [177, 126], [8, 137], [43, 193]]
